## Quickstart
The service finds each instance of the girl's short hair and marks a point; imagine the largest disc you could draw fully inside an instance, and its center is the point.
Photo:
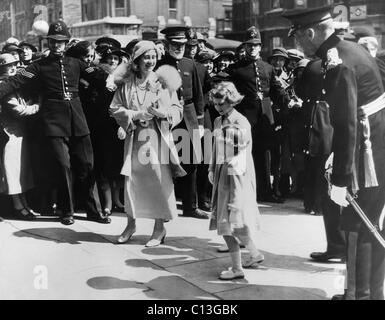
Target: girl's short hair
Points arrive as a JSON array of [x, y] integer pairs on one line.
[[226, 90]]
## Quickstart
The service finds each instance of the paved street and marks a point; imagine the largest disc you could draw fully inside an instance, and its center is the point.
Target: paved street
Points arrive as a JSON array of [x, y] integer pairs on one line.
[[46, 260]]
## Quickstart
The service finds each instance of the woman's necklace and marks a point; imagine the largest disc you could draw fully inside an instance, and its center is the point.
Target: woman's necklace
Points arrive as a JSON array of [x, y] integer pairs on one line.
[[142, 87]]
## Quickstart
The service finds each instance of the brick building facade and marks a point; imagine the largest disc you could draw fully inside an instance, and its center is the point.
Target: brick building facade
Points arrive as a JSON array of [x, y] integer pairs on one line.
[[266, 15], [124, 19]]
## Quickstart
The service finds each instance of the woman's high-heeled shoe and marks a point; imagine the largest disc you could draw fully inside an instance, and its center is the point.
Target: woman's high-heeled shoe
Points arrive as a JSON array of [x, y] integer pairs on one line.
[[127, 234], [25, 214], [157, 241]]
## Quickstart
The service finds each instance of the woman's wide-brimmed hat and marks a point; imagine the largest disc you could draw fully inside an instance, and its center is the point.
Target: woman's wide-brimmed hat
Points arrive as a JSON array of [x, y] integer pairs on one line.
[[27, 44], [7, 59]]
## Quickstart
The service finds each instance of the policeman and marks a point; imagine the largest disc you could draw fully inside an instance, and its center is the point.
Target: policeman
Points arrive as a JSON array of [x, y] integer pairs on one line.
[[353, 89], [63, 121], [255, 79], [191, 97]]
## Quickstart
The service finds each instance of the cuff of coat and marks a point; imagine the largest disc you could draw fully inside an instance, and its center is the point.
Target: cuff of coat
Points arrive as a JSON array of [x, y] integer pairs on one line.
[[341, 180]]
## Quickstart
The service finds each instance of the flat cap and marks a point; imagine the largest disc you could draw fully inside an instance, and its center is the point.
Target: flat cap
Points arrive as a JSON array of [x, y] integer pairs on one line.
[[302, 18], [175, 33]]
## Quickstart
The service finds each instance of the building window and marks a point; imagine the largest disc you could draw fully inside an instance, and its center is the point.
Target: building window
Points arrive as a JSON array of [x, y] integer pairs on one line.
[[173, 9], [120, 8], [228, 12], [92, 9], [276, 42], [275, 4]]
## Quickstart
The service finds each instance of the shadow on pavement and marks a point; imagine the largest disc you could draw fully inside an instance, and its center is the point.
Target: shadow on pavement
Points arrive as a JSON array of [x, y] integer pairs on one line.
[[60, 235], [164, 287]]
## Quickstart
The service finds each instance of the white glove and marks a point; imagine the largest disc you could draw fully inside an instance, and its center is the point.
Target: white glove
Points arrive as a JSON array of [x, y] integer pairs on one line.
[[338, 195], [156, 111], [121, 133], [329, 162], [211, 177]]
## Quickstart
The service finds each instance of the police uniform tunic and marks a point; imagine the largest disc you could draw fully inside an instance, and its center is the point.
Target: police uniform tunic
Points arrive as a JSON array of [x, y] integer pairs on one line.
[[63, 122], [58, 80]]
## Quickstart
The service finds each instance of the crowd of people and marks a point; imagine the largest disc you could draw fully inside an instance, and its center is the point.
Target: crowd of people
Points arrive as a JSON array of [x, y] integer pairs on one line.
[[75, 116]]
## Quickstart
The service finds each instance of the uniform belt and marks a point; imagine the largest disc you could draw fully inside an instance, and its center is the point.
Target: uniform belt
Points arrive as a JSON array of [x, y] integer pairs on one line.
[[364, 112], [62, 96], [188, 101]]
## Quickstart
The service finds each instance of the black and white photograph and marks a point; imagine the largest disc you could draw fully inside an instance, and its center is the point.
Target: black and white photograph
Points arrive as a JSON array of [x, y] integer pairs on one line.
[[192, 155]]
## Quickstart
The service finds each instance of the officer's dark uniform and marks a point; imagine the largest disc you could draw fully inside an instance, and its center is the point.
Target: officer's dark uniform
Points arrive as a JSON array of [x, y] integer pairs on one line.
[[191, 97], [63, 121], [353, 82], [203, 183], [255, 80], [316, 197]]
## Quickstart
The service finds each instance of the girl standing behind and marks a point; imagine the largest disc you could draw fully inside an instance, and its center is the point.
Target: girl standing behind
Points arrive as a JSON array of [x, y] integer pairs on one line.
[[235, 211]]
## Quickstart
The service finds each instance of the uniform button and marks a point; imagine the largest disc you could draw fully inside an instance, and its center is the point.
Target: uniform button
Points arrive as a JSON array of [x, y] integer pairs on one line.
[[307, 152], [66, 88], [323, 91]]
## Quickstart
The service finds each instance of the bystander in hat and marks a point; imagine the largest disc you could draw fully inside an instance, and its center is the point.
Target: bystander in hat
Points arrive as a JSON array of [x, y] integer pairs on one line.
[[367, 38], [27, 44], [108, 42], [204, 56], [278, 52], [295, 54], [7, 59], [10, 48]]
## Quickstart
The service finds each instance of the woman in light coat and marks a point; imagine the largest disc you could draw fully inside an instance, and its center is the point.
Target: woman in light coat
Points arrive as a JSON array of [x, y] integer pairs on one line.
[[146, 111]]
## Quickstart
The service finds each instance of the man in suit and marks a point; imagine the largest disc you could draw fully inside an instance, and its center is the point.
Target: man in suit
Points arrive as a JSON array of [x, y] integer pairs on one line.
[[255, 79], [62, 120], [191, 97], [353, 89]]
